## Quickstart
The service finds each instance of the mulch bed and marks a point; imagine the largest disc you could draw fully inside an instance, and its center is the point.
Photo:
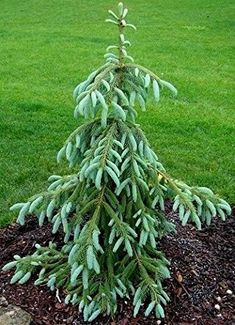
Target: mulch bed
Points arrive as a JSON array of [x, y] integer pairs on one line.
[[202, 268]]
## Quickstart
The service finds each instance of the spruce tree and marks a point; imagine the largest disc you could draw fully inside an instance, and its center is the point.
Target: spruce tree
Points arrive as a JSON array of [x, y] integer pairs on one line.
[[112, 209]]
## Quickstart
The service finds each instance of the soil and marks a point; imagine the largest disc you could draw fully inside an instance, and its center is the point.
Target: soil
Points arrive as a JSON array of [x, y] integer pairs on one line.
[[202, 287]]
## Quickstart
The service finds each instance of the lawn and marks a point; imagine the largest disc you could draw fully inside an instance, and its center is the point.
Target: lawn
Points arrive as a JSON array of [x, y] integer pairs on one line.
[[47, 47]]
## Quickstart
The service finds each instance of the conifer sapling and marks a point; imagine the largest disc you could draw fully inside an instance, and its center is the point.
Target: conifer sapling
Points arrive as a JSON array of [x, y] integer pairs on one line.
[[112, 209]]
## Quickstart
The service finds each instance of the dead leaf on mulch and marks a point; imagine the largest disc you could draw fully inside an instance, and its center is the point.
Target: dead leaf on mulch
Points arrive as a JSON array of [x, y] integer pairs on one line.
[[179, 277]]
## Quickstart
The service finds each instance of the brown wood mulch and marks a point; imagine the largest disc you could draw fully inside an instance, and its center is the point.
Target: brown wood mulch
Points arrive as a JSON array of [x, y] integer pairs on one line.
[[202, 287]]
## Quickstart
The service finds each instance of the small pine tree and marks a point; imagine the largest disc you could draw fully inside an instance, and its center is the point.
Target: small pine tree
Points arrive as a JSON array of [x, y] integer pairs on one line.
[[112, 209]]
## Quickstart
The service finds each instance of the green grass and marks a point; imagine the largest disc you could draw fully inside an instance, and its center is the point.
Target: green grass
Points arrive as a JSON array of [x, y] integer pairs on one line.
[[47, 47]]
